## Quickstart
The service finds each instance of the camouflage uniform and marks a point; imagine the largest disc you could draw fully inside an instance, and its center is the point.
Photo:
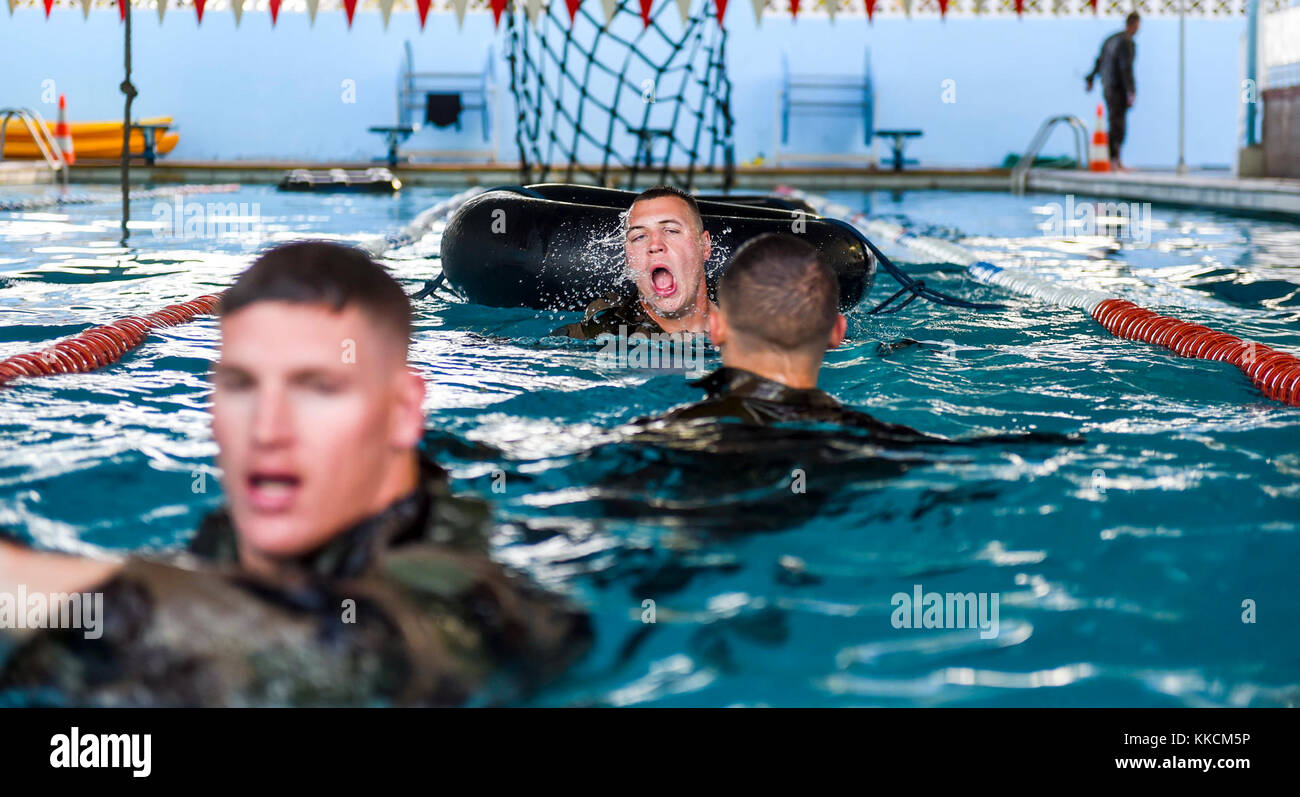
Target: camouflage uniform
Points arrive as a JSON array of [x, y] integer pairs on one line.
[[736, 394], [752, 399], [613, 314], [436, 622]]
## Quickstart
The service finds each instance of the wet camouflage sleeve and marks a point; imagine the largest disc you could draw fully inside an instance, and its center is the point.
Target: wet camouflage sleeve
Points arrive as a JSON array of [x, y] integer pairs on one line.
[[426, 628]]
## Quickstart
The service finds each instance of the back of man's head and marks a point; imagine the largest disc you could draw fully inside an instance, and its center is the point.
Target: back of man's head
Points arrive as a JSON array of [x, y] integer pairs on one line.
[[778, 293], [660, 191], [324, 273]]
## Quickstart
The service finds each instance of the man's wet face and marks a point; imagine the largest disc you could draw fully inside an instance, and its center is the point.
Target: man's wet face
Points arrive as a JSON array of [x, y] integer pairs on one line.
[[308, 415], [666, 255]]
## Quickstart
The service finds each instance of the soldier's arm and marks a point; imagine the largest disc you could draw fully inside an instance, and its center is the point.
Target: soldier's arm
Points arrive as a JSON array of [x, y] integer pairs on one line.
[[50, 573], [1096, 66]]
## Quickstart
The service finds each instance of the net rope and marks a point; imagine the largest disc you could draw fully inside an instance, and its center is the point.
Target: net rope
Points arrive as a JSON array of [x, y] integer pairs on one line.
[[597, 97]]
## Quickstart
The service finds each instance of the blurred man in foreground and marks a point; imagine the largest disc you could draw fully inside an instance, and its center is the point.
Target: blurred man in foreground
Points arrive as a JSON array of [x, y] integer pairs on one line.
[[341, 570]]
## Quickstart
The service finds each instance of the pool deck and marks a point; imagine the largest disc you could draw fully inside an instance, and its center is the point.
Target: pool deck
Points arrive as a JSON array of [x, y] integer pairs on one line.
[[1215, 190]]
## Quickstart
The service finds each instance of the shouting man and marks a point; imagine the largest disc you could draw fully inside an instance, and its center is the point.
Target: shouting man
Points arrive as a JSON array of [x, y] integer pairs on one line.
[[666, 247]]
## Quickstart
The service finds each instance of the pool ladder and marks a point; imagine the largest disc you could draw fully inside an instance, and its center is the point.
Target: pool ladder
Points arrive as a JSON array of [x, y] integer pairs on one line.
[[1020, 172], [40, 134]]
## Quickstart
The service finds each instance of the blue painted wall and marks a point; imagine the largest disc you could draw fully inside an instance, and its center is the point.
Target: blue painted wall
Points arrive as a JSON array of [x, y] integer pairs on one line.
[[258, 92]]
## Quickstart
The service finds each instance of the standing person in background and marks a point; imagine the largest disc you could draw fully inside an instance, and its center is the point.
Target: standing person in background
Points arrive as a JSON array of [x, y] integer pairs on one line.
[[1115, 66]]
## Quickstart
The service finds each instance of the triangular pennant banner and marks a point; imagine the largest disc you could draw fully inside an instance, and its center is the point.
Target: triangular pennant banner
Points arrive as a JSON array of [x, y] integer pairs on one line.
[[794, 9], [459, 5], [572, 5], [350, 8], [1093, 3], [871, 9], [532, 9], [831, 7], [759, 5], [979, 6], [198, 9], [1020, 7], [943, 8], [312, 7], [609, 7], [238, 7], [275, 11], [85, 9], [684, 8], [907, 8], [645, 12], [121, 10], [386, 11], [48, 3], [722, 10], [11, 7], [162, 9], [497, 7]]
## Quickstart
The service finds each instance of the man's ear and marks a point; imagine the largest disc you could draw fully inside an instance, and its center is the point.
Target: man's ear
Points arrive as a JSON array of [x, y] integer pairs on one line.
[[837, 331], [717, 327], [708, 244], [408, 415]]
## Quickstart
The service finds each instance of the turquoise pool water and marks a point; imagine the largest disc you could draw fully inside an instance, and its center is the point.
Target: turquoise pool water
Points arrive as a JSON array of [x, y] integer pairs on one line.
[[1121, 564]]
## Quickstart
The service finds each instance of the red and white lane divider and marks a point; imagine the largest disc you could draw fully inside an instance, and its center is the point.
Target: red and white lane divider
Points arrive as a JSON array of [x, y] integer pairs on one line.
[[100, 346], [1275, 373]]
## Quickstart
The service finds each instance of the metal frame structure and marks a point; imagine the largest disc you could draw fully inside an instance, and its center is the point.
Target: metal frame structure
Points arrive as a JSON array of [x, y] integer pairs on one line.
[[808, 94], [478, 92]]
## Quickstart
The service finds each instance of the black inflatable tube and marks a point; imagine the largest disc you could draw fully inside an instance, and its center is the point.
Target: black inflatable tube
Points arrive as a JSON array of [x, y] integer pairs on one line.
[[558, 247]]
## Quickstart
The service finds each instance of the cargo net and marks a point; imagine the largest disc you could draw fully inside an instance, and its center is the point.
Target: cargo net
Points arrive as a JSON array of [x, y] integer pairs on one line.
[[594, 98]]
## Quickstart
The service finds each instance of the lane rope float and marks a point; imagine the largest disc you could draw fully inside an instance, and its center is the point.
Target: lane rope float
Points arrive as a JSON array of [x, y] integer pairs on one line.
[[420, 226], [100, 346], [1275, 373], [103, 345]]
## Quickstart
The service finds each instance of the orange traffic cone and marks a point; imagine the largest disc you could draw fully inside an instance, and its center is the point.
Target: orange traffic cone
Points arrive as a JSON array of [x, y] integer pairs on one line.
[[1099, 155], [62, 134]]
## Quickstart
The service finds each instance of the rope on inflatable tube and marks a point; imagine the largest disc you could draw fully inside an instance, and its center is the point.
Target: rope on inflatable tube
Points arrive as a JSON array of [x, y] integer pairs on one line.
[[862, 227]]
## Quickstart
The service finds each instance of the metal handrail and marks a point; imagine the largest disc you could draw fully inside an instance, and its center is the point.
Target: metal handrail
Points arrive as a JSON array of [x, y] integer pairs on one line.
[[40, 134], [1020, 172]]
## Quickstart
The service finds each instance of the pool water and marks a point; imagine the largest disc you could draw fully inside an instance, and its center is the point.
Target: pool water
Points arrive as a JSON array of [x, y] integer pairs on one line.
[[1121, 563]]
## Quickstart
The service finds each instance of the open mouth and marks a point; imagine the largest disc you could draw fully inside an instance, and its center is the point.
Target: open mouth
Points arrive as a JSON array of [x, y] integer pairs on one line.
[[272, 491], [665, 284]]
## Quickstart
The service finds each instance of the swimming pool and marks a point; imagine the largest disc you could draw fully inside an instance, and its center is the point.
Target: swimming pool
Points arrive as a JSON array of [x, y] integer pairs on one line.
[[1121, 564]]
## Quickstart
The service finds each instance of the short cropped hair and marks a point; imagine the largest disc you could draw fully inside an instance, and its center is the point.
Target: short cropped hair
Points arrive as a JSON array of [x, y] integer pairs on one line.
[[325, 273], [1132, 17], [660, 191], [778, 290]]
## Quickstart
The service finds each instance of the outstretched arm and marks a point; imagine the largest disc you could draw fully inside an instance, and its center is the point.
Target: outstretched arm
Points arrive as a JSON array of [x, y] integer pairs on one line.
[[1096, 67], [39, 571]]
